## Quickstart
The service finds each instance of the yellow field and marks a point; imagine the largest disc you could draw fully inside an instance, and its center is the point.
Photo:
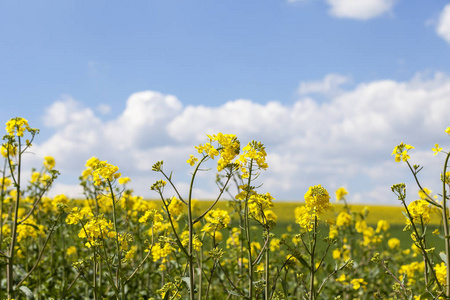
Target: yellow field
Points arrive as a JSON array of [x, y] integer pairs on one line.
[[285, 211]]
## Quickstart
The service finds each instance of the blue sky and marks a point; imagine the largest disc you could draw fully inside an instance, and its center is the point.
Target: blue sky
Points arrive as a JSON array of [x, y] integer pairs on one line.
[[81, 60]]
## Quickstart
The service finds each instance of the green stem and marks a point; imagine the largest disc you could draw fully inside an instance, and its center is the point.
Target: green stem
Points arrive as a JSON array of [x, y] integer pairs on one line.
[[247, 233], [119, 256], [446, 229], [191, 233], [266, 288], [312, 292], [10, 261]]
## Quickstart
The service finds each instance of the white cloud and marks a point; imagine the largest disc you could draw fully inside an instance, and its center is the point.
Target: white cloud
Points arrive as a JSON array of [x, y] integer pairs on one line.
[[359, 9], [329, 86], [344, 141], [443, 26]]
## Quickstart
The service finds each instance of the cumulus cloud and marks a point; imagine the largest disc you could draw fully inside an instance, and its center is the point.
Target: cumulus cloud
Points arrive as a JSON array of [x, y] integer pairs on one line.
[[343, 141], [360, 9], [443, 26]]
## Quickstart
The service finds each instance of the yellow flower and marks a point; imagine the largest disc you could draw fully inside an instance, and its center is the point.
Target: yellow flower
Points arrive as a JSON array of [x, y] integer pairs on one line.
[[419, 210], [382, 225], [196, 243], [58, 200], [423, 193], [343, 219], [29, 229], [394, 243], [8, 149], [218, 219], [124, 180], [441, 272], [357, 283], [437, 149], [49, 162], [274, 244], [333, 232], [175, 207], [360, 226], [342, 278], [304, 218], [447, 130], [336, 254], [401, 152], [192, 160], [71, 250], [163, 251], [17, 125], [103, 170], [317, 198], [218, 236], [77, 214], [151, 216], [340, 193], [5, 182]]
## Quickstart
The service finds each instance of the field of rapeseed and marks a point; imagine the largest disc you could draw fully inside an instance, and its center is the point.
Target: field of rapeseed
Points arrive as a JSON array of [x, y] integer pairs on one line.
[[116, 245]]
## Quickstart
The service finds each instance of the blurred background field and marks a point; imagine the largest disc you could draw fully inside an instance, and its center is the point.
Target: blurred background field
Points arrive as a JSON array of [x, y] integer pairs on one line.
[[392, 214], [285, 212]]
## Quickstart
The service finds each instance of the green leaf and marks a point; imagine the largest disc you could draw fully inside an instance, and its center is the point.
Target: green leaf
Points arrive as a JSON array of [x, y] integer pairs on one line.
[[28, 293]]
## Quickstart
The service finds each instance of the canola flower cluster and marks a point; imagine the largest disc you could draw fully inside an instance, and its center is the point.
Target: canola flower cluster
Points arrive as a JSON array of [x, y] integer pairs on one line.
[[230, 153], [317, 201]]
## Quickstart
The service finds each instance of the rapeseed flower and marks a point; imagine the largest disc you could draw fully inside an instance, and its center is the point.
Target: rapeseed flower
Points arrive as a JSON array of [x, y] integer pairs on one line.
[[420, 211], [17, 126], [71, 251], [176, 207], [382, 225], [358, 283], [124, 180], [8, 149], [447, 130], [343, 219], [394, 243], [340, 193], [49, 162], [436, 149], [104, 171], [29, 229], [196, 243], [441, 272], [401, 152], [409, 271], [304, 218], [5, 182], [96, 230], [151, 216], [216, 219], [317, 199], [192, 160]]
